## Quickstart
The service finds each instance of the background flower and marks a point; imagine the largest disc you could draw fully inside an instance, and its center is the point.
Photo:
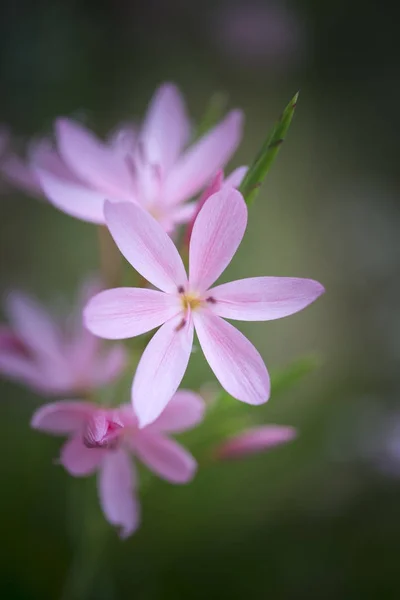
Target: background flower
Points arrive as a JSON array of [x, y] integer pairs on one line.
[[102, 440]]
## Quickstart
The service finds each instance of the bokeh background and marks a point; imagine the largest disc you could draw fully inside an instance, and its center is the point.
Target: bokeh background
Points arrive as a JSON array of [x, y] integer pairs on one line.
[[319, 518]]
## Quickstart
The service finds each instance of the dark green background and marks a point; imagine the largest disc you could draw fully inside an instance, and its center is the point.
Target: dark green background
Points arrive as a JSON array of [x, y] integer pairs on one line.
[[318, 518]]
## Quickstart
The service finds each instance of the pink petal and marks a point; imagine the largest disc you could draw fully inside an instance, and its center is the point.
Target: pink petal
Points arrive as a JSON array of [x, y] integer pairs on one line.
[[116, 484], [217, 233], [42, 155], [18, 172], [264, 298], [165, 457], [73, 198], [92, 160], [34, 325], [102, 430], [254, 440], [79, 460], [123, 139], [145, 245], [235, 362], [236, 177], [62, 417], [126, 312], [184, 411], [196, 167], [110, 366], [161, 369], [14, 365], [166, 128]]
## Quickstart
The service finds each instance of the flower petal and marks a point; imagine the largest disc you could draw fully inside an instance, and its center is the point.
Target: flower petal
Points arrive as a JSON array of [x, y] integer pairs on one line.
[[73, 198], [116, 485], [62, 417], [264, 298], [145, 245], [166, 127], [79, 460], [33, 324], [254, 440], [43, 155], [217, 233], [18, 367], [196, 167], [161, 369], [165, 457], [236, 177], [184, 411], [236, 363], [19, 174], [126, 312], [110, 366], [92, 160]]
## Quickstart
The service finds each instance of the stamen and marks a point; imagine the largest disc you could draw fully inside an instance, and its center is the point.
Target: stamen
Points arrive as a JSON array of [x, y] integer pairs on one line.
[[211, 300], [181, 289], [181, 325]]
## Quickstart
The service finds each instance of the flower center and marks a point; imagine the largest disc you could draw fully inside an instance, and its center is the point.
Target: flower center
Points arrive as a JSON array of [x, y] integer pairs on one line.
[[189, 300]]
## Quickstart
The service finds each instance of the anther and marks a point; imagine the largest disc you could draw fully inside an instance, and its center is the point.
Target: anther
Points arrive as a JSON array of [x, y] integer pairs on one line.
[[211, 300], [181, 289], [181, 325]]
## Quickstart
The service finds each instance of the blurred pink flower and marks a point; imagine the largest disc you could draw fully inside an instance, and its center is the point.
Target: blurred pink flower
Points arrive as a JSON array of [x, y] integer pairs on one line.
[[258, 33], [255, 440], [155, 171], [185, 303], [37, 351], [102, 440]]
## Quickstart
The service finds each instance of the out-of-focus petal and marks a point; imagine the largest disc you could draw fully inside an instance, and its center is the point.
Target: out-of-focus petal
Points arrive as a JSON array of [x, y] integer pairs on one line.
[[166, 127], [236, 363], [74, 199], [18, 173], [109, 366], [123, 139], [116, 484], [166, 458], [18, 367], [126, 312], [264, 298], [79, 460], [235, 178], [184, 411], [255, 440], [145, 245], [34, 325], [217, 233], [62, 417], [202, 160], [43, 155], [161, 369], [92, 160]]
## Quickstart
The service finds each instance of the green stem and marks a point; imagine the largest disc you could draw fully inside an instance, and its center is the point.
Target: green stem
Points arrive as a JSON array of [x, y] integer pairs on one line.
[[110, 258]]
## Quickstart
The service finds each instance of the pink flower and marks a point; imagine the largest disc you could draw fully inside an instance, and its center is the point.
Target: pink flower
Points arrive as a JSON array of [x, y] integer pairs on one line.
[[185, 303], [102, 439], [255, 440], [42, 156], [155, 171], [37, 351]]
